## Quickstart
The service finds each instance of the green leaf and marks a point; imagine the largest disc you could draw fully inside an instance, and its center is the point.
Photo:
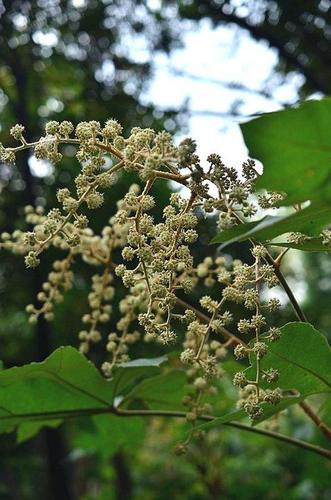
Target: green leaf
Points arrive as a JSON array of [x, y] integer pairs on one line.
[[268, 411], [27, 430], [311, 245], [228, 417], [161, 392], [309, 221], [109, 434], [129, 374], [237, 233], [303, 358], [65, 384], [295, 149]]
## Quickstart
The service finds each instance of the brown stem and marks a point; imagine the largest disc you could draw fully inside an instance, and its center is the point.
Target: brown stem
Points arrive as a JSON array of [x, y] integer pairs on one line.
[[208, 418], [315, 418], [297, 309], [106, 409], [276, 265]]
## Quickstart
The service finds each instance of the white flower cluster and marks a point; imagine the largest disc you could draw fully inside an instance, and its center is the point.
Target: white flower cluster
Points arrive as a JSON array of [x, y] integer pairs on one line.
[[157, 268]]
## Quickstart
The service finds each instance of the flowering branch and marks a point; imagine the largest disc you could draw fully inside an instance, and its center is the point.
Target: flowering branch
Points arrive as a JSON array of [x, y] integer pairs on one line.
[[158, 264]]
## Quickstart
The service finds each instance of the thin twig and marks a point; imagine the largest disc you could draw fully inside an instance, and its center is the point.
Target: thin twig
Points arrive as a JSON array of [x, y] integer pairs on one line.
[[297, 309], [208, 418], [108, 409], [320, 424]]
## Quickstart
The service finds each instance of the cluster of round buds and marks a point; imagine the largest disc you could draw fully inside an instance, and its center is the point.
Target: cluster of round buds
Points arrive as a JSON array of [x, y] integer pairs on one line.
[[271, 375], [20, 242], [253, 408], [259, 348], [246, 288], [273, 334], [7, 155], [247, 326], [100, 294], [200, 387], [297, 238], [47, 149], [240, 380], [160, 255], [213, 271], [59, 281], [157, 263], [201, 355], [202, 359], [120, 341], [118, 347], [250, 402], [269, 200], [17, 132], [147, 151], [31, 260], [326, 238], [233, 193]]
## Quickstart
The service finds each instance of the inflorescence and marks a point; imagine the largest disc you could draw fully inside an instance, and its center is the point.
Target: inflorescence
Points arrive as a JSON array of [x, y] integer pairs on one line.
[[157, 268]]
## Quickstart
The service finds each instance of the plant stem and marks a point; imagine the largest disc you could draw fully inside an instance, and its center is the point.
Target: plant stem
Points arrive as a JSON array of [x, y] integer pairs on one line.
[[315, 418], [257, 329], [165, 413], [208, 418], [297, 309]]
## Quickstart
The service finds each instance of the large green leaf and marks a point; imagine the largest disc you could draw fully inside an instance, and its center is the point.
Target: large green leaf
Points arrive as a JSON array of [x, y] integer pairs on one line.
[[239, 232], [65, 384], [303, 358], [295, 148], [310, 245], [161, 392], [106, 434], [268, 411], [309, 221], [129, 374]]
